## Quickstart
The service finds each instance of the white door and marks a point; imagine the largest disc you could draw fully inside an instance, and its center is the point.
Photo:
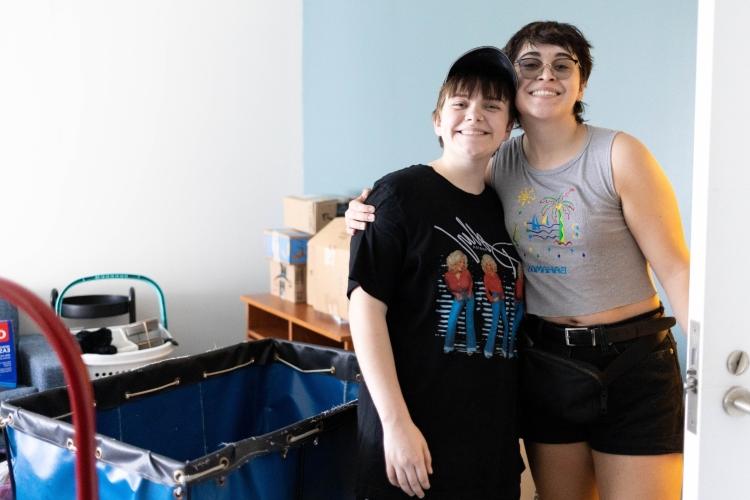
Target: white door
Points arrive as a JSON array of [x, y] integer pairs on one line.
[[717, 443]]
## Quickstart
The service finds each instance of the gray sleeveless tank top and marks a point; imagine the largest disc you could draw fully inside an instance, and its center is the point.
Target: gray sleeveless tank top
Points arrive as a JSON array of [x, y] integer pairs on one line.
[[568, 227]]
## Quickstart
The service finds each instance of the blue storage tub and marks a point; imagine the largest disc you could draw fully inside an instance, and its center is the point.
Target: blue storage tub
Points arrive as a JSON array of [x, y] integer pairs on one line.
[[271, 420]]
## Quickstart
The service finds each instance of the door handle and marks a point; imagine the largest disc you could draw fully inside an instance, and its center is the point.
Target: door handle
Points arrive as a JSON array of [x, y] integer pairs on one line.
[[737, 401]]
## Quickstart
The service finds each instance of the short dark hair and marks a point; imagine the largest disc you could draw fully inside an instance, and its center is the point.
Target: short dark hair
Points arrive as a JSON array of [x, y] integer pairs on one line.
[[490, 86], [563, 35]]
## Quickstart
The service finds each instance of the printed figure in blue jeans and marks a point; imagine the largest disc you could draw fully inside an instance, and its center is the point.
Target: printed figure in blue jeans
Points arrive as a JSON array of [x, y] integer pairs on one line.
[[493, 288], [509, 339], [460, 284]]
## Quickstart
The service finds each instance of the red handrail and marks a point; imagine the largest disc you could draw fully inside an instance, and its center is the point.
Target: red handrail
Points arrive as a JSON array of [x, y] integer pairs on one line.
[[80, 393]]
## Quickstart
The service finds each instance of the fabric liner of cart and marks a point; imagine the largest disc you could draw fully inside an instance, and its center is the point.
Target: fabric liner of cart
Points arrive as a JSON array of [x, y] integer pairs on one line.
[[271, 420]]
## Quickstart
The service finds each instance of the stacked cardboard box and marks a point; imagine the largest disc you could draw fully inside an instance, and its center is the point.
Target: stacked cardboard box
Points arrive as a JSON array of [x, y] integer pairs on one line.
[[288, 281], [309, 213], [310, 257], [328, 270], [287, 249]]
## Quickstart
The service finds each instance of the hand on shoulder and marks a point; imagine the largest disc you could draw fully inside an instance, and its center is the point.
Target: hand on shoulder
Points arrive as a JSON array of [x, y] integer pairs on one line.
[[358, 214]]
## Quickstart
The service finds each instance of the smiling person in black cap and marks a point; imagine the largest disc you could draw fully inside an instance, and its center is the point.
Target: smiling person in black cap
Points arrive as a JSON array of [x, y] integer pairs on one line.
[[437, 411]]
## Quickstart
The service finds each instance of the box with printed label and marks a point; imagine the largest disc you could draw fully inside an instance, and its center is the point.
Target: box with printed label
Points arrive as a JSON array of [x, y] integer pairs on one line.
[[8, 371], [286, 245], [328, 270], [288, 281], [309, 213]]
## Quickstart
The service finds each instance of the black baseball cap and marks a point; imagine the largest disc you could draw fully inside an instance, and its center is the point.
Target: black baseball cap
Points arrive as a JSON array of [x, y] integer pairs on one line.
[[485, 60]]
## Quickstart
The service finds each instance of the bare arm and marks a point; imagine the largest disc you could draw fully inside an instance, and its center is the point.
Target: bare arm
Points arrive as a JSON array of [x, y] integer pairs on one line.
[[651, 212], [407, 457]]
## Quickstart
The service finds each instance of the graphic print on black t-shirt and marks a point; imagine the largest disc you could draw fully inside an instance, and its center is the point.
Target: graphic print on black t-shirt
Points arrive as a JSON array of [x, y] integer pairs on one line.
[[400, 259], [479, 298]]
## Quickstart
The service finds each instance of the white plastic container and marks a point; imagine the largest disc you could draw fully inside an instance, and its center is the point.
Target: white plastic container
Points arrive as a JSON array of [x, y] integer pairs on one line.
[[128, 356]]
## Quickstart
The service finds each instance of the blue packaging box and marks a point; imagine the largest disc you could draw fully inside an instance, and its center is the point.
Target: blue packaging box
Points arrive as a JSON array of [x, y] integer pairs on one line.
[[286, 245], [8, 374]]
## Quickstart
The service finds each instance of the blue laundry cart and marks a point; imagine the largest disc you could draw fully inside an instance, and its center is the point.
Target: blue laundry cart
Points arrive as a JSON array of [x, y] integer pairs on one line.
[[270, 420]]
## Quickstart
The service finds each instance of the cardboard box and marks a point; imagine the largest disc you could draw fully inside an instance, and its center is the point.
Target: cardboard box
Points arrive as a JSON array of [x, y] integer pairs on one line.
[[328, 270], [309, 213], [288, 281], [286, 245]]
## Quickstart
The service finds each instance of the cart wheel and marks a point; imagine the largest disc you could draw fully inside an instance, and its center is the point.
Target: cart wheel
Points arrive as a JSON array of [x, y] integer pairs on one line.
[[54, 296], [131, 308]]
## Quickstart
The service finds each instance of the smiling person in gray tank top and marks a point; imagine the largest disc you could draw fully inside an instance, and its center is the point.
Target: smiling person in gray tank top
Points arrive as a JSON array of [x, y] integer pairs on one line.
[[590, 212], [565, 221]]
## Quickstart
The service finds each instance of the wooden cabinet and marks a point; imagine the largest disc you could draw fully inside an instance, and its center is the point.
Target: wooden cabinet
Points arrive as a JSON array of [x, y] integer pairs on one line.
[[269, 316]]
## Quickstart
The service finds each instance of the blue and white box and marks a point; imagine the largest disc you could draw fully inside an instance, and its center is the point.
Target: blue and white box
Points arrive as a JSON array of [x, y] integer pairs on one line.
[[8, 373], [286, 245]]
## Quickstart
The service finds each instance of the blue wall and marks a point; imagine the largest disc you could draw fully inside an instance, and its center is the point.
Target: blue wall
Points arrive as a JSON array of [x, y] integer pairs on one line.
[[372, 69]]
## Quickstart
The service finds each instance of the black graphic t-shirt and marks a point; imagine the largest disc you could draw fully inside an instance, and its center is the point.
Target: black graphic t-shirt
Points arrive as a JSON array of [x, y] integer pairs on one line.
[[443, 263]]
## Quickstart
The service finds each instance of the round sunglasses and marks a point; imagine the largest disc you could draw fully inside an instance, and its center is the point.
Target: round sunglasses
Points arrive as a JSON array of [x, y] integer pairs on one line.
[[531, 67]]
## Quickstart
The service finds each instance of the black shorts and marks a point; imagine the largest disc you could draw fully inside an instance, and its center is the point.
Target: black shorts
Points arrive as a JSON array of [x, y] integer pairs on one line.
[[644, 412]]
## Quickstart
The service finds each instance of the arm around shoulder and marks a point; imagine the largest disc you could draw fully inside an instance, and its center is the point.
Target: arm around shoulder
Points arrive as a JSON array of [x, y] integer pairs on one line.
[[652, 215], [358, 214]]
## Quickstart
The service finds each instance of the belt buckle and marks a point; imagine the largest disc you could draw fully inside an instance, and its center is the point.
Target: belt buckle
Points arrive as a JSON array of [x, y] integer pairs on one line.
[[568, 331]]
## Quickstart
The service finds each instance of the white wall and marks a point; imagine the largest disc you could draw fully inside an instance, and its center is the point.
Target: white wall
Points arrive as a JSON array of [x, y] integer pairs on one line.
[[148, 137]]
